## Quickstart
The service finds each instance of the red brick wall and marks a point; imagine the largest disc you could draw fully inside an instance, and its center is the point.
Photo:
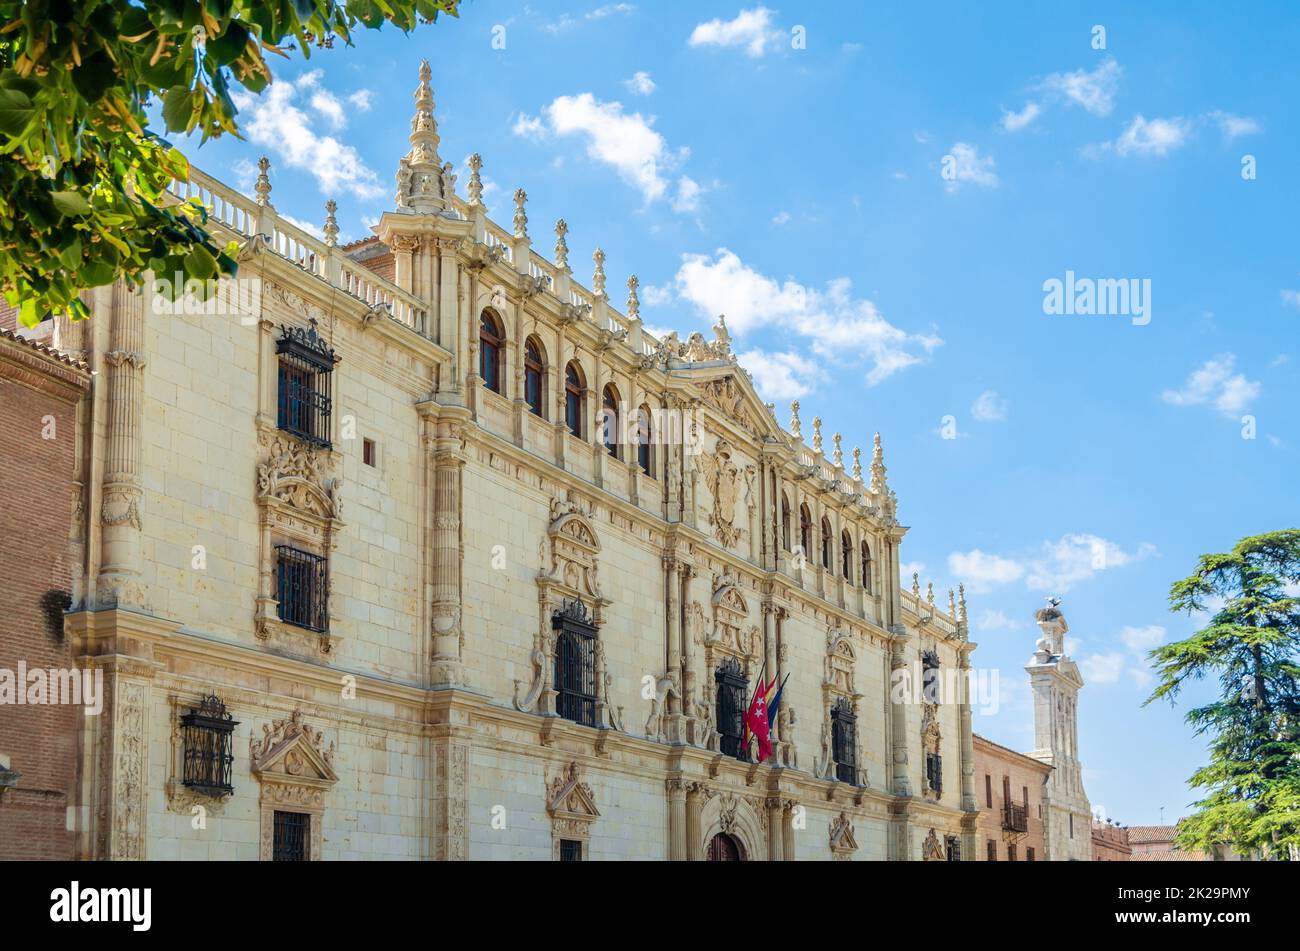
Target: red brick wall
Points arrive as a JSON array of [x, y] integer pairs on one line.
[[40, 741], [8, 316]]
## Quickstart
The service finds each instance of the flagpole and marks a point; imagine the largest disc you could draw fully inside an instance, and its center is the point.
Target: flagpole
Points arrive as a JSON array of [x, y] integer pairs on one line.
[[745, 732]]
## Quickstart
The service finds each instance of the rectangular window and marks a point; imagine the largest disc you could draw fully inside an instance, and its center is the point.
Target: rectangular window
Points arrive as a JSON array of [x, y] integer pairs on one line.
[[844, 741], [207, 731], [993, 850], [369, 452], [291, 836], [988, 789], [303, 403], [934, 772], [1011, 851], [954, 849], [732, 691], [302, 587], [1025, 791], [1072, 825], [1029, 854], [575, 664], [570, 850]]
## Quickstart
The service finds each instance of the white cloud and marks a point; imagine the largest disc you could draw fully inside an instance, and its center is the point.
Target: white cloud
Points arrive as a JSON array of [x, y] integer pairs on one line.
[[362, 99], [688, 195], [1102, 669], [990, 620], [640, 83], [989, 407], [1292, 298], [626, 142], [1235, 126], [964, 164], [1215, 384], [781, 217], [312, 229], [1094, 90], [1142, 639], [1015, 121], [752, 29], [779, 376], [610, 9], [981, 572], [1108, 668], [274, 119], [837, 325], [1157, 137], [1077, 557]]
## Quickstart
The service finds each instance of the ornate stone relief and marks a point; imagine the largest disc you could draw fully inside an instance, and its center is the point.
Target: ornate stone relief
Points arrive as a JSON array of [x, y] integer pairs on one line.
[[296, 771], [932, 848], [724, 479], [572, 807], [838, 684], [842, 842], [729, 398]]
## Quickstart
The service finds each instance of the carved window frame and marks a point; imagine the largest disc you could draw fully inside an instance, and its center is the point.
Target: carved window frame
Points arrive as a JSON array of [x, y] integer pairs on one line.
[[571, 804], [839, 688], [295, 771]]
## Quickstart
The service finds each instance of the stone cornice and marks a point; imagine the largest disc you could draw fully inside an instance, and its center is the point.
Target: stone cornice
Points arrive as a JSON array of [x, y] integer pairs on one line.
[[42, 368]]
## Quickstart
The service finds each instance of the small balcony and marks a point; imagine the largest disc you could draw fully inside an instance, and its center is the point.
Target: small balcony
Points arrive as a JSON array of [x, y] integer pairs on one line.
[[1015, 818]]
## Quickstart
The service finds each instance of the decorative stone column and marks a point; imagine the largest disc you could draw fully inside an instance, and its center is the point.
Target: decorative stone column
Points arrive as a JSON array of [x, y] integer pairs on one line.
[[688, 660], [446, 611], [119, 584], [898, 705], [775, 829], [787, 830], [697, 794], [677, 820]]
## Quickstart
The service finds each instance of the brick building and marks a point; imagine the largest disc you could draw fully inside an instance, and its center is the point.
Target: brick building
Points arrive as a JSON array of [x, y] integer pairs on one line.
[[1010, 789], [41, 392], [1110, 842]]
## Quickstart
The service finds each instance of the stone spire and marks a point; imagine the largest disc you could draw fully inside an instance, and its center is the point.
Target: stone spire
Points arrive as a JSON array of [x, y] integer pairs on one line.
[[633, 303], [878, 484], [839, 453], [961, 602], [561, 245], [916, 585], [598, 278], [794, 420], [857, 464], [817, 434], [331, 223], [475, 187], [263, 187], [424, 183], [521, 216], [952, 604], [929, 596]]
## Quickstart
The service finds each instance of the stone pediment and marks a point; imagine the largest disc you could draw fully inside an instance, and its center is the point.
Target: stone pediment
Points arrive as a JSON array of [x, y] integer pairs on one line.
[[291, 751], [569, 798], [842, 841], [731, 396]]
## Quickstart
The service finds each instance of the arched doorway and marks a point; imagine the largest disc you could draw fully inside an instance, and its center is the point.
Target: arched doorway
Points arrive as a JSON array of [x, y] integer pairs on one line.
[[723, 848]]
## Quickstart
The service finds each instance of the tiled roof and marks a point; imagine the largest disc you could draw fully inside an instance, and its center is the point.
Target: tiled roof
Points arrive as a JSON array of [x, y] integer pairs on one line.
[[1168, 856], [1139, 835], [43, 349]]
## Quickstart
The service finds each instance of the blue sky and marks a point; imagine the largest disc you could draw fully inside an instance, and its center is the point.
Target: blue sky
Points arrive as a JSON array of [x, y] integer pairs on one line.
[[876, 208]]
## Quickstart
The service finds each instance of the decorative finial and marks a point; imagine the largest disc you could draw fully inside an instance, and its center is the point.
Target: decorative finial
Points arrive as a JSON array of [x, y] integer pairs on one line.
[[952, 604], [521, 218], [598, 278], [424, 183], [916, 586], [839, 454], [817, 434], [633, 304], [263, 186], [961, 602], [561, 246], [929, 594], [794, 420], [475, 181], [857, 464], [878, 484], [331, 223]]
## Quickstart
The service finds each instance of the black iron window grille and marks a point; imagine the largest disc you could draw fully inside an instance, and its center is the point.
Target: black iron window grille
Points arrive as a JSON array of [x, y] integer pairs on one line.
[[732, 689], [304, 404], [570, 850], [302, 588], [206, 733], [954, 848], [575, 663], [934, 772], [844, 741], [292, 830]]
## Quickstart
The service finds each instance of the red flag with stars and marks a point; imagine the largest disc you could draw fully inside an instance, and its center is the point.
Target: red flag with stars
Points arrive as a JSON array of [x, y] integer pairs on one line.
[[756, 721]]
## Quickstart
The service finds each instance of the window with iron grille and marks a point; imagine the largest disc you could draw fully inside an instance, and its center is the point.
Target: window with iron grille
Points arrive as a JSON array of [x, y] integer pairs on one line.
[[993, 850], [570, 850], [306, 362], [844, 741], [934, 772], [575, 663], [1029, 854], [291, 837], [302, 588], [206, 733], [1011, 851], [954, 848], [732, 687]]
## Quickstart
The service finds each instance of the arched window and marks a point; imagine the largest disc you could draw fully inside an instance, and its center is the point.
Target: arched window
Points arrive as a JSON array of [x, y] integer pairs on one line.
[[844, 741], [805, 531], [609, 419], [785, 521], [573, 398], [846, 556], [534, 377], [866, 567], [724, 848], [490, 342], [732, 694], [575, 664], [644, 436], [826, 544]]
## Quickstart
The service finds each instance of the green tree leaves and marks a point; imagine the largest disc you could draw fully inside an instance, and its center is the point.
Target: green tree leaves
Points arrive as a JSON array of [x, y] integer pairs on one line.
[[1252, 645], [83, 176]]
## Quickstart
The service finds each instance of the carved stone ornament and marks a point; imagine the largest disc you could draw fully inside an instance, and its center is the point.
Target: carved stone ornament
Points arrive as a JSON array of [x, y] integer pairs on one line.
[[842, 842], [730, 634], [299, 477], [932, 848], [723, 478], [296, 772], [573, 550], [729, 398], [572, 807]]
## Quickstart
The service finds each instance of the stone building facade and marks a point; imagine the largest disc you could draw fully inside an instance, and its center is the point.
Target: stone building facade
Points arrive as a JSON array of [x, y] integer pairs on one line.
[[418, 548], [1010, 785], [41, 393]]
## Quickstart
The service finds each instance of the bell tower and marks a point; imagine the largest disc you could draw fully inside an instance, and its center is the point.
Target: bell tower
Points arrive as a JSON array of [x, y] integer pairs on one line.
[[1055, 681]]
